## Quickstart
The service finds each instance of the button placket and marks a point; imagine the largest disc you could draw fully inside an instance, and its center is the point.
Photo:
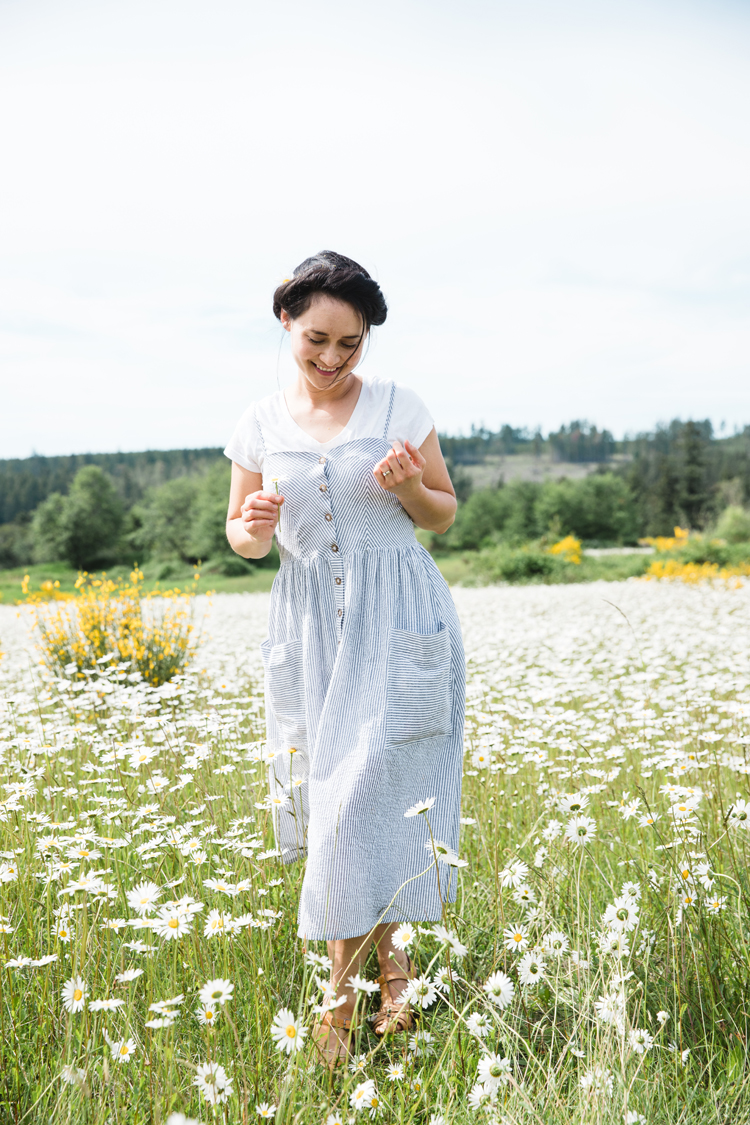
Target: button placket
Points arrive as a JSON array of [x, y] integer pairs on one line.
[[334, 554]]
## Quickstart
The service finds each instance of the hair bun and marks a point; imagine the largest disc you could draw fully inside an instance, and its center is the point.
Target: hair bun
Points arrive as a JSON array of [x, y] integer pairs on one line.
[[337, 276]]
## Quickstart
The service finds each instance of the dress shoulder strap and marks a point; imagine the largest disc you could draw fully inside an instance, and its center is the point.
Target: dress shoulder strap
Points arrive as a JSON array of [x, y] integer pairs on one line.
[[390, 411]]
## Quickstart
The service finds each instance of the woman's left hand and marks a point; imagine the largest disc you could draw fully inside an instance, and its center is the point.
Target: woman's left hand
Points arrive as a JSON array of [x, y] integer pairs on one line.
[[401, 470]]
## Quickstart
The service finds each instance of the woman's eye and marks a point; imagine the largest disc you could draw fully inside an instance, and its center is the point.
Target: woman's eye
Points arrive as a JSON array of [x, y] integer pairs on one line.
[[315, 341]]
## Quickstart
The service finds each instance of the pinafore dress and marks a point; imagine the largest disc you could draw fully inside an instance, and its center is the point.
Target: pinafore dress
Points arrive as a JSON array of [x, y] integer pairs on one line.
[[364, 687]]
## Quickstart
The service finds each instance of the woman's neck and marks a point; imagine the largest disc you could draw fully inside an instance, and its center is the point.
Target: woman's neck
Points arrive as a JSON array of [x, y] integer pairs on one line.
[[323, 414]]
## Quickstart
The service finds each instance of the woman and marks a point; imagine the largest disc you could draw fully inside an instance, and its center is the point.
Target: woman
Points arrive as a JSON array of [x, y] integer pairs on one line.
[[364, 661]]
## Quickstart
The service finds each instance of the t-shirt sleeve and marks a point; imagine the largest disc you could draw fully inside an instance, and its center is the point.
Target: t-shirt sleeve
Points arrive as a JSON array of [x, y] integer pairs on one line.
[[244, 444], [411, 420]]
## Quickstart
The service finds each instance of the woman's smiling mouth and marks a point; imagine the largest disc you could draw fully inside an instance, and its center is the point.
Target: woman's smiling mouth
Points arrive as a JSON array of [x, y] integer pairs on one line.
[[325, 370]]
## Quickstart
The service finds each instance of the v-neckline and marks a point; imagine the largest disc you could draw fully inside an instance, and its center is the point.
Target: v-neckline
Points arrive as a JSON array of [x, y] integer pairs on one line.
[[341, 433]]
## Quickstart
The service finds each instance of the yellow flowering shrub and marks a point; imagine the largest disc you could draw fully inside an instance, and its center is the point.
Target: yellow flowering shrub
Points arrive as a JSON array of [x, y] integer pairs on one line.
[[568, 548], [662, 543], [153, 631], [693, 573], [49, 591]]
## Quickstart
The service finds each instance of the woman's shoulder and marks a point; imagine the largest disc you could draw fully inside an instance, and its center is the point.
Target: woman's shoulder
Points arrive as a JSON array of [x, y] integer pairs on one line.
[[381, 389]]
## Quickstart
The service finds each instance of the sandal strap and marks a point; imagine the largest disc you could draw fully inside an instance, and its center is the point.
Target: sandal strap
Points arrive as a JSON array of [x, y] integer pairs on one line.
[[397, 973], [333, 1020]]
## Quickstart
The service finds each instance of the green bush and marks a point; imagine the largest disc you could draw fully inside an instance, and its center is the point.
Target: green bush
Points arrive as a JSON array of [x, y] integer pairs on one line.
[[506, 512], [521, 564], [599, 507], [734, 525], [16, 543]]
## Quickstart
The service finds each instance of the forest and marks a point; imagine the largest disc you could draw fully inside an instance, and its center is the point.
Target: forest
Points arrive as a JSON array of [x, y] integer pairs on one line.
[[98, 510]]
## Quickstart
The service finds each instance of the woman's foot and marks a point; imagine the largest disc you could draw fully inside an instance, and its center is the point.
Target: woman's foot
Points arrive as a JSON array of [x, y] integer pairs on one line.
[[395, 1012], [333, 1037]]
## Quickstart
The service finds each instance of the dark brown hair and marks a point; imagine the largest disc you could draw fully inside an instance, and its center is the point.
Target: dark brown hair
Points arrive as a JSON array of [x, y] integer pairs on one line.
[[335, 276]]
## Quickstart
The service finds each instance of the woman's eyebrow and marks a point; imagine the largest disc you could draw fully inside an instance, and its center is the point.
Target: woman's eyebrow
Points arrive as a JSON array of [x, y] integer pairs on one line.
[[317, 332]]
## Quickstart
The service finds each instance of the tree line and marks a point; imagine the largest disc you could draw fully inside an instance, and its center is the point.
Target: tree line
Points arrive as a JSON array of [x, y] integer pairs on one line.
[[98, 509]]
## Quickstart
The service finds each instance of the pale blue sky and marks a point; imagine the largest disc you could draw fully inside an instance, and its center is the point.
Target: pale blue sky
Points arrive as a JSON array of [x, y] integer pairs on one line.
[[553, 196]]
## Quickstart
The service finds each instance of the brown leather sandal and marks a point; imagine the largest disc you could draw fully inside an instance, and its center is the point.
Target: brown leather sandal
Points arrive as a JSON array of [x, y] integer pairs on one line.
[[393, 1016], [331, 1048]]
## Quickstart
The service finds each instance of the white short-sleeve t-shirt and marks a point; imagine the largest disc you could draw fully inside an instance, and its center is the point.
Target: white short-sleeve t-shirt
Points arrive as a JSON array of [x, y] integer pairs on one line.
[[410, 421]]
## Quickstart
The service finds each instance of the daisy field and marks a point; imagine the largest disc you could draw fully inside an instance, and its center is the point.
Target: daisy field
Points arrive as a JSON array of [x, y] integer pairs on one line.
[[595, 967]]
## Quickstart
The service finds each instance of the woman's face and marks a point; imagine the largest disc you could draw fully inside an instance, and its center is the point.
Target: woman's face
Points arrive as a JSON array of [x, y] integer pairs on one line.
[[325, 341]]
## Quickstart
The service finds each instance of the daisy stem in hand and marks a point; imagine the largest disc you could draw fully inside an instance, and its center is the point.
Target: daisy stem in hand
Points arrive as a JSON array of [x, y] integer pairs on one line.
[[275, 483]]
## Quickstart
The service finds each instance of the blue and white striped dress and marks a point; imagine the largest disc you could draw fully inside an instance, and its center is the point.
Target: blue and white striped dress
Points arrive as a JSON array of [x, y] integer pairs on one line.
[[364, 682]]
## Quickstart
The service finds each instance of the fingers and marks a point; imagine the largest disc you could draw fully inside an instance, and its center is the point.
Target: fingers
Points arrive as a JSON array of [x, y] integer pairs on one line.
[[415, 455], [260, 513], [262, 502], [399, 465]]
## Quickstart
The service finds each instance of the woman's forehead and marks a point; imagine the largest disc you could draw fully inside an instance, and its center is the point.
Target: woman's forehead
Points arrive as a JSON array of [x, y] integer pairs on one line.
[[331, 317]]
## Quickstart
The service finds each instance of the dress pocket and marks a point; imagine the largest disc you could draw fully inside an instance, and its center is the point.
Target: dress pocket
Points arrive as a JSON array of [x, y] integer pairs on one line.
[[285, 689], [419, 686]]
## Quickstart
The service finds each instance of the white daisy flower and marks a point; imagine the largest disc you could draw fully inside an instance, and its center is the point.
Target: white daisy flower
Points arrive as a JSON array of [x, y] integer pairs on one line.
[[105, 1005], [500, 989], [287, 1031], [420, 991], [622, 915], [216, 992], [207, 1014], [266, 1110], [171, 923], [74, 994], [365, 1097], [403, 936], [531, 968], [477, 1024], [493, 1070], [213, 1082], [516, 938], [217, 923], [739, 814], [421, 807], [123, 1050], [359, 984], [640, 1041], [514, 875], [128, 975], [556, 944], [581, 830]]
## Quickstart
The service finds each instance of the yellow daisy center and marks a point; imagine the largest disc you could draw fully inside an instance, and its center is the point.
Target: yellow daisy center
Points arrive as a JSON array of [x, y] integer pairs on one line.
[[77, 995], [291, 1031], [173, 923]]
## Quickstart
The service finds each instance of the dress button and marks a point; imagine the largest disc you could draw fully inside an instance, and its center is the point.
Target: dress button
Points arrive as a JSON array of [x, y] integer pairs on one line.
[[339, 611], [329, 517], [338, 581], [334, 546], [323, 488], [321, 460]]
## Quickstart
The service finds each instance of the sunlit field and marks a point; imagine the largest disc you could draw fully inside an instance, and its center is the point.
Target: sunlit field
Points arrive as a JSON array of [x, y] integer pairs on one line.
[[595, 967]]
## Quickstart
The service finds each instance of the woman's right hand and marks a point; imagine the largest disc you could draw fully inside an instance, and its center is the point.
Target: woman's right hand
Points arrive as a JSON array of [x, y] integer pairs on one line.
[[260, 515]]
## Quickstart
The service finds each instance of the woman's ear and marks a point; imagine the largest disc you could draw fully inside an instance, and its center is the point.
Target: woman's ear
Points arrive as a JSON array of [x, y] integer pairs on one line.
[[286, 320]]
